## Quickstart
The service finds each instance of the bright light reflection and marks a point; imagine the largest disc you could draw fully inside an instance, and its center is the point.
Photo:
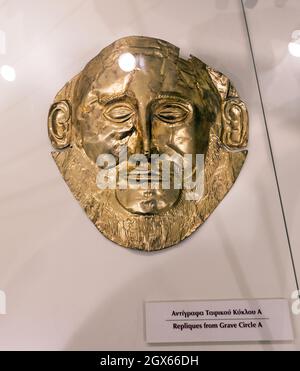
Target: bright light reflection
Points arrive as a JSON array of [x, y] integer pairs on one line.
[[8, 73], [2, 43], [127, 62], [294, 46]]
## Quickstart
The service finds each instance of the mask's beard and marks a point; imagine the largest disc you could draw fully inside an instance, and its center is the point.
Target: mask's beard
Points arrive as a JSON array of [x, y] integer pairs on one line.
[[145, 188], [148, 231], [150, 185]]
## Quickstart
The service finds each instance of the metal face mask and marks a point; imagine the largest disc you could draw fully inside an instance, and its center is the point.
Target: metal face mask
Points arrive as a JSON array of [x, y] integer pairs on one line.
[[148, 143]]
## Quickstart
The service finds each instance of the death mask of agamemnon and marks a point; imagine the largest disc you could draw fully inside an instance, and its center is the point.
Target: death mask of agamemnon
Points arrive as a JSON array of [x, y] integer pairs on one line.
[[149, 143]]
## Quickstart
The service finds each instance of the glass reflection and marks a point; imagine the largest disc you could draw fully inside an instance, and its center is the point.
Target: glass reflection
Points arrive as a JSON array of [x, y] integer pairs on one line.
[[8, 73], [2, 43], [294, 46]]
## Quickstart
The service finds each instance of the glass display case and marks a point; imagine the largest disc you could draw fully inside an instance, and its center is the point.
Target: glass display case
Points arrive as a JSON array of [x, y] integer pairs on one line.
[[67, 287]]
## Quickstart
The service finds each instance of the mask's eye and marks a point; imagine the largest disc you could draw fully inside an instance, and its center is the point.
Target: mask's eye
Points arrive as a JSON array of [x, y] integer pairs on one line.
[[119, 113], [171, 113]]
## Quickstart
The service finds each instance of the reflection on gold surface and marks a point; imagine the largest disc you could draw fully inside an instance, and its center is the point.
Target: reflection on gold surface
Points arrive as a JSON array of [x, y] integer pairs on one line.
[[139, 94]]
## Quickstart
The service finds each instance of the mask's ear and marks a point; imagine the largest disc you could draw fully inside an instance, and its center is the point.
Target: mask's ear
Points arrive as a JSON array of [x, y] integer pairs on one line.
[[59, 124], [235, 123], [60, 128]]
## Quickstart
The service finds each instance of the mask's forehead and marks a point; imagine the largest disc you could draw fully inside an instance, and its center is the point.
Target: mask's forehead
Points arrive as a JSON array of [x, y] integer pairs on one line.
[[158, 70], [154, 74]]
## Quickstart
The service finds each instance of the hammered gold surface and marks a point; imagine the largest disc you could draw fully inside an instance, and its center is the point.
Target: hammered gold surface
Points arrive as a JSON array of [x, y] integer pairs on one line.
[[165, 104]]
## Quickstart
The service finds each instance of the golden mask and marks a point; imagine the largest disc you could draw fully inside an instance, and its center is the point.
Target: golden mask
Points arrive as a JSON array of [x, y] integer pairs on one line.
[[140, 95]]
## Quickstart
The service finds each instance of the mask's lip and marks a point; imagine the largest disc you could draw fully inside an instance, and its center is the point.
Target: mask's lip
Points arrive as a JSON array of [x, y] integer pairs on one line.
[[154, 176], [152, 180]]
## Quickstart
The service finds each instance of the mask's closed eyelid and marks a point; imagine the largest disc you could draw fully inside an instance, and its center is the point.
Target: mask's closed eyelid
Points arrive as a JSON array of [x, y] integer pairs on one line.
[[172, 100], [171, 110], [119, 112]]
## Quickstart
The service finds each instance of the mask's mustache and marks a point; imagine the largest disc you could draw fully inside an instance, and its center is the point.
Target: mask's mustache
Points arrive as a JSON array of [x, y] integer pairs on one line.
[[158, 168], [145, 171]]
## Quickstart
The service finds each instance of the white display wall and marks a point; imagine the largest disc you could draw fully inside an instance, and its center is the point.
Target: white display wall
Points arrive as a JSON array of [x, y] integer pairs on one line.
[[67, 286]]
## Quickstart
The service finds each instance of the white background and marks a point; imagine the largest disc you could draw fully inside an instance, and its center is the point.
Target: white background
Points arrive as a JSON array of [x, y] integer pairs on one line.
[[67, 286]]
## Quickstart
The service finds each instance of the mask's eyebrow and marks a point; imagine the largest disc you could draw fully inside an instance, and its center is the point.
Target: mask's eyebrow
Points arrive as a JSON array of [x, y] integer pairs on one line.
[[118, 97], [95, 96], [91, 98], [105, 99], [174, 96]]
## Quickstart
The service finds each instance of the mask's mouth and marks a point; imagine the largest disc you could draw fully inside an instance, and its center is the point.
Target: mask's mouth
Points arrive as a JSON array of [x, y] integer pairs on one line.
[[164, 174], [161, 174], [148, 191], [147, 201], [149, 177]]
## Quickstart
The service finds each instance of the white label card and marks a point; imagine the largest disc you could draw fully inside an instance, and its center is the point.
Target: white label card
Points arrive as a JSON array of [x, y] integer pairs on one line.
[[218, 320]]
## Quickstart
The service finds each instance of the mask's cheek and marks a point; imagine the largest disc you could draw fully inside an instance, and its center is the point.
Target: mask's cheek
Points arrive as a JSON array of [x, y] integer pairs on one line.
[[182, 140], [101, 136], [179, 138], [161, 134]]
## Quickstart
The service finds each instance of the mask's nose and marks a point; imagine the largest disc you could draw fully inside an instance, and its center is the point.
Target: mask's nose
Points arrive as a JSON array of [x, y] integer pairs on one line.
[[144, 129]]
